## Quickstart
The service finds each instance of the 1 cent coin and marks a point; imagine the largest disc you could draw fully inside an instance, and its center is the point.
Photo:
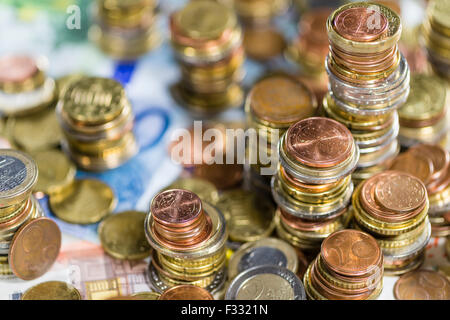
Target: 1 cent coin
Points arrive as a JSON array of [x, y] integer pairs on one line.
[[34, 248], [422, 285], [186, 292]]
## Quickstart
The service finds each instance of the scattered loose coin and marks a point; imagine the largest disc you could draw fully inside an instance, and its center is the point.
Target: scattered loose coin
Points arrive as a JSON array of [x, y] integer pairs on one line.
[[186, 292], [263, 44], [87, 201], [122, 236], [52, 290], [148, 295], [422, 285], [34, 248]]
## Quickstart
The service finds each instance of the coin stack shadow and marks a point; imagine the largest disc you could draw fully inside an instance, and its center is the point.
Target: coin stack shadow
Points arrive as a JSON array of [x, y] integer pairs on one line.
[[97, 121], [368, 81], [436, 36], [349, 267], [271, 107], [125, 30], [207, 42], [18, 205], [313, 188], [188, 237], [424, 117], [431, 164], [393, 207], [24, 86]]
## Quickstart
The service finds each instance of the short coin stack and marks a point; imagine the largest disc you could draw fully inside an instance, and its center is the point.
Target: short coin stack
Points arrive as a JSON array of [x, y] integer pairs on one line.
[[393, 207], [188, 237], [24, 86], [97, 121], [368, 80], [436, 33], [424, 118], [207, 42], [271, 107], [430, 163], [126, 29], [21, 221], [349, 267], [313, 186]]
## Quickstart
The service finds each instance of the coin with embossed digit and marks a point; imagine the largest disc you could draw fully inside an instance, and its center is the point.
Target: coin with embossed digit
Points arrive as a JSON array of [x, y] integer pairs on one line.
[[52, 290], [266, 283], [34, 248], [186, 292], [422, 285]]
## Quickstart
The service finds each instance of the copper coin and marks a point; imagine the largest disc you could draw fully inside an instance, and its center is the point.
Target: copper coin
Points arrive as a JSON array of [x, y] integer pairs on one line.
[[186, 292], [263, 43], [308, 225], [360, 24], [438, 156], [16, 69], [313, 25], [419, 165], [176, 207], [446, 217], [282, 100], [422, 285], [401, 192], [319, 142], [34, 248], [351, 252], [223, 176]]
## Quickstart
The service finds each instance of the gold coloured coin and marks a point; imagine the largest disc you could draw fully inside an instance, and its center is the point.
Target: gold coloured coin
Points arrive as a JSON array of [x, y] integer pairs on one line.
[[52, 290], [147, 295], [205, 190], [122, 236], [88, 201]]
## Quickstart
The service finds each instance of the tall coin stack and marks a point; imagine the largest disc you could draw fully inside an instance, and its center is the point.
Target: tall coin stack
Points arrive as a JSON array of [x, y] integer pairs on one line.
[[436, 34], [125, 30], [97, 121], [368, 80], [188, 237], [349, 267], [313, 185], [271, 107], [393, 207], [18, 209], [24, 86], [207, 42], [430, 163]]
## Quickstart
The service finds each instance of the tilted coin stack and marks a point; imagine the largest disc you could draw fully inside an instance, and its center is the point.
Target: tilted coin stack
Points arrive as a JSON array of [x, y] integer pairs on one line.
[[97, 121], [17, 206], [188, 237], [431, 164], [368, 80], [436, 34], [424, 117], [271, 107], [24, 86], [207, 42], [349, 267], [125, 30], [313, 185], [393, 207]]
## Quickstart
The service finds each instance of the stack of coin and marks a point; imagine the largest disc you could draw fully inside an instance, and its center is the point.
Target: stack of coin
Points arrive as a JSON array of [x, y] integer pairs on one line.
[[368, 80], [349, 267], [430, 163], [393, 207], [273, 104], [436, 34], [97, 121], [125, 29], [24, 86], [313, 185], [207, 42], [29, 243], [423, 118], [188, 237]]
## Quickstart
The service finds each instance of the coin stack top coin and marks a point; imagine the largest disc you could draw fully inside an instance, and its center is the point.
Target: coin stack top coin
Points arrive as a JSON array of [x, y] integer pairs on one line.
[[313, 185], [207, 42], [393, 207], [349, 267], [368, 80], [97, 121], [125, 29]]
